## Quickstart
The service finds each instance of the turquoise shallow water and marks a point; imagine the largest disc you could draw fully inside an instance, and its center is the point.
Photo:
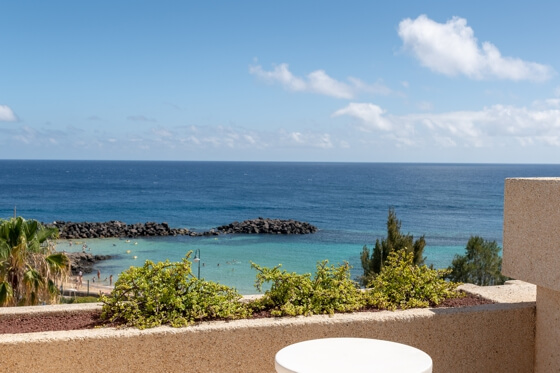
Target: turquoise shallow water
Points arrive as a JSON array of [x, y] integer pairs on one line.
[[226, 259], [348, 202]]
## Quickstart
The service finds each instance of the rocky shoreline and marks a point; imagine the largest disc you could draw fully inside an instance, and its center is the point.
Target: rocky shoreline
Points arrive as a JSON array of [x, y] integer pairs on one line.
[[118, 229], [84, 262]]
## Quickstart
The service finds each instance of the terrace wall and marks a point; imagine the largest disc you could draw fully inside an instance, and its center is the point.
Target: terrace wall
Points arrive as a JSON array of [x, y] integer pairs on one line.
[[489, 338]]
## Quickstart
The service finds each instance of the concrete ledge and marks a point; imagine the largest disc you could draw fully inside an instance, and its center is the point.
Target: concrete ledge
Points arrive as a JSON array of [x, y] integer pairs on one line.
[[490, 338], [55, 308], [513, 291]]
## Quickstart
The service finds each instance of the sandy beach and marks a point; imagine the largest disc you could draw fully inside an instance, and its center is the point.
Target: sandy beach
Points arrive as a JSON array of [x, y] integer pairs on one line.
[[88, 286]]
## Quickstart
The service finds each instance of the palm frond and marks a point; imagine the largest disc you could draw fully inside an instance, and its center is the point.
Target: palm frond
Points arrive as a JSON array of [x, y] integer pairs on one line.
[[6, 293], [58, 261]]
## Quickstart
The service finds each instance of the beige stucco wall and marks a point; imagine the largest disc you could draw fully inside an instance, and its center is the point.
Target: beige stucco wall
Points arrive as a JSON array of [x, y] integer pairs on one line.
[[547, 351], [489, 338], [532, 254], [532, 231]]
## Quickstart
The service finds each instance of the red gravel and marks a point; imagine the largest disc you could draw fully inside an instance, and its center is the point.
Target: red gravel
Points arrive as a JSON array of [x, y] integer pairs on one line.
[[467, 301], [31, 323], [88, 320]]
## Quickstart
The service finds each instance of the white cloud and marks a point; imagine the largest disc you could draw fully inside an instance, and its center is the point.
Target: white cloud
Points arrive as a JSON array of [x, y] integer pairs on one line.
[[7, 114], [296, 137], [452, 49], [492, 126], [250, 139], [280, 74], [307, 139], [318, 82], [370, 115], [545, 104]]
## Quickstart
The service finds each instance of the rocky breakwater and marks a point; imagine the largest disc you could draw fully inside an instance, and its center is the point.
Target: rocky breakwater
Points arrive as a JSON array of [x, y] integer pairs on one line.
[[70, 230], [268, 226], [113, 229]]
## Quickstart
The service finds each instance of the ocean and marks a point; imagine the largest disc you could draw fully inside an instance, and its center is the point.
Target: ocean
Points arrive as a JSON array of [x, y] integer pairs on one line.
[[348, 202]]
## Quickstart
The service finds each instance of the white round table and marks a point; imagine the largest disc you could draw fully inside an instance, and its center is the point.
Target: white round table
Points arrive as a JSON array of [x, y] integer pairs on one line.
[[356, 355]]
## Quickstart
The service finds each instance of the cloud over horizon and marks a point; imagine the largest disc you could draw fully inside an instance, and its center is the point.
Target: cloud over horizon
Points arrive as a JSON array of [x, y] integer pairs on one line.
[[452, 49], [491, 126], [496, 126]]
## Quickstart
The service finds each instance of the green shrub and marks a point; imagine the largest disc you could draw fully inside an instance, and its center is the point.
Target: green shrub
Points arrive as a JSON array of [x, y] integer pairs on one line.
[[401, 284], [168, 293], [330, 290]]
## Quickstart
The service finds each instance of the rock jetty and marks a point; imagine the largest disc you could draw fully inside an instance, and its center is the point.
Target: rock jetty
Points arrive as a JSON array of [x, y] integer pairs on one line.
[[113, 229], [268, 226]]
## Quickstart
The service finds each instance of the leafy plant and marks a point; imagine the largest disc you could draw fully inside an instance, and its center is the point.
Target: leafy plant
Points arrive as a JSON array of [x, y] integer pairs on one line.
[[481, 264], [395, 241], [402, 284], [168, 293], [330, 290], [29, 265]]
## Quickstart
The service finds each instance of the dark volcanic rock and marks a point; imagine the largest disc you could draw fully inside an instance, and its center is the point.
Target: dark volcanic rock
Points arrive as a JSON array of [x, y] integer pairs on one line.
[[84, 262], [268, 226], [71, 230]]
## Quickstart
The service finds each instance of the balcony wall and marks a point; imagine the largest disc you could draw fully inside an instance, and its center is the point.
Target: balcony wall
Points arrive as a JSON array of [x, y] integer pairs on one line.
[[489, 338]]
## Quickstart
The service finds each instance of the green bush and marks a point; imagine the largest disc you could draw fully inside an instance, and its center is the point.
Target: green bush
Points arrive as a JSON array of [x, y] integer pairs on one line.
[[330, 290], [168, 293], [401, 284]]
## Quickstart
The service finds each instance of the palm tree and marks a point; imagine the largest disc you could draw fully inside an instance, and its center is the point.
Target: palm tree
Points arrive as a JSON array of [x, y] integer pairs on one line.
[[29, 265]]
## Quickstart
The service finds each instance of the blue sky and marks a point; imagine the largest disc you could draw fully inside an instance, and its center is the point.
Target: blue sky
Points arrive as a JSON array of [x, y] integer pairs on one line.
[[363, 81]]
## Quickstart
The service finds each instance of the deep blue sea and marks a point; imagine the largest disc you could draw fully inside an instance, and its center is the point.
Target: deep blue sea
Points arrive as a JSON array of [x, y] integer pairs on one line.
[[348, 202]]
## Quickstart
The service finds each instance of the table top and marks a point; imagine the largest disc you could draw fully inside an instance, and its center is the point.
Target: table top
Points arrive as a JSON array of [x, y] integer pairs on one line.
[[356, 355]]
